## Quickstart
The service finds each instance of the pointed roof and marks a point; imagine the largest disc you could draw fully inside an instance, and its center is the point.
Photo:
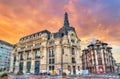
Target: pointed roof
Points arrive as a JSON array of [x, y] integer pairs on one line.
[[66, 21]]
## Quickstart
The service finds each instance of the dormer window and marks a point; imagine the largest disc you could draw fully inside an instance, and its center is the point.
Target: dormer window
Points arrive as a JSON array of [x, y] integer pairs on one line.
[[51, 43], [36, 35], [39, 34], [29, 37], [109, 50], [51, 36], [72, 34], [72, 41], [98, 51]]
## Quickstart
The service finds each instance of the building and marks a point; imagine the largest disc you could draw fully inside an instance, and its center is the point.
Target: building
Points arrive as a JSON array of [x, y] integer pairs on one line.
[[45, 51], [5, 53], [117, 67], [97, 58]]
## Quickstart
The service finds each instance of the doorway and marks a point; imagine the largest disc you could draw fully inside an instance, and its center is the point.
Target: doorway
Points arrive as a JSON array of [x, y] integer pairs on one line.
[[37, 67]]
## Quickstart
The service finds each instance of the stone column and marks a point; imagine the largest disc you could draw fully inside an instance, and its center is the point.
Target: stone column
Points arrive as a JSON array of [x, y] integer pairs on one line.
[[58, 58], [96, 60], [25, 59], [32, 62], [43, 65], [103, 62], [11, 63]]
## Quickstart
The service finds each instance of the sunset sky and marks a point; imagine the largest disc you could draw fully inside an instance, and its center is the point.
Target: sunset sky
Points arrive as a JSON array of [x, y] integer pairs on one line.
[[92, 19]]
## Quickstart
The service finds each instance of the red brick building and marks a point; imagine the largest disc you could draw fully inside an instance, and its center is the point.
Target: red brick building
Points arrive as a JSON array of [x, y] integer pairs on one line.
[[97, 58]]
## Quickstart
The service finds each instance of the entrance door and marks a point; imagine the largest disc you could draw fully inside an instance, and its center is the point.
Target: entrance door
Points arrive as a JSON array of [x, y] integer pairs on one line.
[[28, 66], [74, 70], [37, 67], [21, 67]]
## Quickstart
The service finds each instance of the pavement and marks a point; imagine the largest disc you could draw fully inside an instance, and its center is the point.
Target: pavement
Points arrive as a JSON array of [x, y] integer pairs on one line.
[[92, 76]]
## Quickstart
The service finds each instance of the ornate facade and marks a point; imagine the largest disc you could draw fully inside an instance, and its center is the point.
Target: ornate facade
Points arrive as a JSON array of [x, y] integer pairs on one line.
[[45, 51], [97, 58]]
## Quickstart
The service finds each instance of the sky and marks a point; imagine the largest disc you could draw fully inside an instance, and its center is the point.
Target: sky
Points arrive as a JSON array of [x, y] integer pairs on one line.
[[92, 19]]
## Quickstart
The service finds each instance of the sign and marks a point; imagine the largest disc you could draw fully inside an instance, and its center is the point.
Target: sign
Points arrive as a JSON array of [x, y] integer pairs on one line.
[[85, 72], [100, 68]]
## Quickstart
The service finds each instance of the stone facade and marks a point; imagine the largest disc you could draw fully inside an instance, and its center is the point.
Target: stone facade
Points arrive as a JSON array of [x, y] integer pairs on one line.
[[45, 51], [97, 58]]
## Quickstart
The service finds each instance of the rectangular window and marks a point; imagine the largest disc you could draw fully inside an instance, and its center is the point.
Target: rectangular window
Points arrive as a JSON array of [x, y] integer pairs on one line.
[[37, 53], [51, 61], [99, 62], [14, 58], [21, 56], [51, 67], [73, 51], [29, 55], [51, 53], [73, 60]]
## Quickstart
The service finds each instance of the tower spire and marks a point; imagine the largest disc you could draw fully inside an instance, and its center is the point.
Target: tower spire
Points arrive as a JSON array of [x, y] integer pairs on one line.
[[66, 21]]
